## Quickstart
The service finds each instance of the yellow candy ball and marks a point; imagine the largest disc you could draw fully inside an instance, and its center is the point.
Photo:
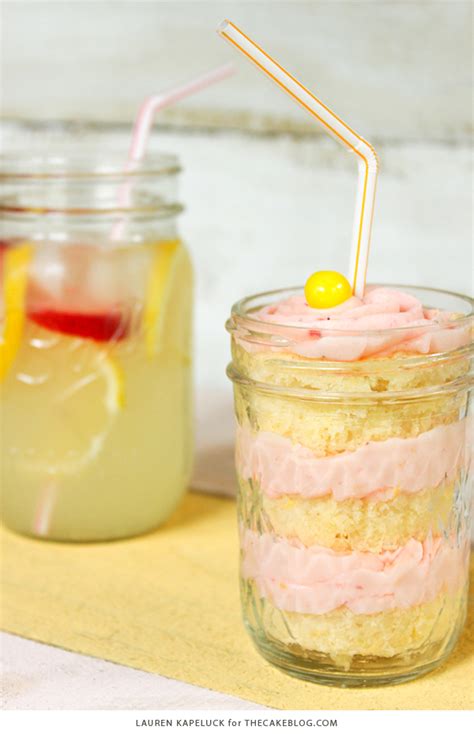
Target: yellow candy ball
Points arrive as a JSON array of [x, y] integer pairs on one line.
[[326, 289]]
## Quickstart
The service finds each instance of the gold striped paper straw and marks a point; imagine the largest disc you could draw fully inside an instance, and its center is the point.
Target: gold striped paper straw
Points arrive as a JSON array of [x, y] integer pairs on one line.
[[367, 157]]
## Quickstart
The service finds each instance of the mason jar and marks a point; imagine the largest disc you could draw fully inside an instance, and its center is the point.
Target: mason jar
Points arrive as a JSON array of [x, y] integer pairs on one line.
[[353, 459], [96, 304]]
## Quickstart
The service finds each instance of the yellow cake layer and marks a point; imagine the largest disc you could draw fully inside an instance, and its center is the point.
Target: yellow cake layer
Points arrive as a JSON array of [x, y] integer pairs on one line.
[[354, 524], [377, 375], [328, 427], [341, 634]]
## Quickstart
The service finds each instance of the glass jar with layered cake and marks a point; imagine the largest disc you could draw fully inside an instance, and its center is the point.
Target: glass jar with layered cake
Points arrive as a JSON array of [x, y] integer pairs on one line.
[[353, 463], [95, 347]]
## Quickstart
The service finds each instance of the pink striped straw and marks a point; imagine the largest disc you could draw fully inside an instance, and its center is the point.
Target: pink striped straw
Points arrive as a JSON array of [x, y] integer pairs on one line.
[[152, 105], [144, 122]]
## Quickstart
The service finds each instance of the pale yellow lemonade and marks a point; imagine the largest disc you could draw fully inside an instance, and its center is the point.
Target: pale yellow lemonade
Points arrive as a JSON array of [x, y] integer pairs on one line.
[[96, 407]]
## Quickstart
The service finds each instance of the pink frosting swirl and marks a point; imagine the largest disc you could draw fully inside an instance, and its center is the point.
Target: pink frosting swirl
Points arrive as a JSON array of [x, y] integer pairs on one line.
[[374, 470], [316, 580], [344, 332]]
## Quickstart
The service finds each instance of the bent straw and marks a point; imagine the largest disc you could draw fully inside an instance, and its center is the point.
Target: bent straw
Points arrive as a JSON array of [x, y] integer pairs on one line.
[[144, 121], [367, 163], [152, 105]]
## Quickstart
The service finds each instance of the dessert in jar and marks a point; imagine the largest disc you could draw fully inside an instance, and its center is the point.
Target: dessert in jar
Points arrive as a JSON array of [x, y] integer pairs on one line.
[[353, 462]]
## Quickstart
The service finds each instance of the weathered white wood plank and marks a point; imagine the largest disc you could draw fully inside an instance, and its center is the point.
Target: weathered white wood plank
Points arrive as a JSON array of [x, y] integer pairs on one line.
[[394, 70]]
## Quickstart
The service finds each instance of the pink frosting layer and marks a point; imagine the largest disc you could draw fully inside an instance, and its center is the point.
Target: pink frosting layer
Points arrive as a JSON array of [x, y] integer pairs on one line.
[[380, 309], [374, 470], [317, 580]]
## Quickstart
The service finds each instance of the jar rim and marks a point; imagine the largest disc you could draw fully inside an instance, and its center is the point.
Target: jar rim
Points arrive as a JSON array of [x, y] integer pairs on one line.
[[42, 178], [91, 163], [241, 314], [408, 395]]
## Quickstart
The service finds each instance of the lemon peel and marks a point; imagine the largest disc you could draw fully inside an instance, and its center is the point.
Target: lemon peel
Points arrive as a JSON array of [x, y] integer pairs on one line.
[[15, 262], [160, 282]]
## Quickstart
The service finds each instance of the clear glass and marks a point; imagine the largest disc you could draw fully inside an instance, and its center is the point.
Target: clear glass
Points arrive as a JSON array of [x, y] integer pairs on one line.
[[354, 497], [96, 301]]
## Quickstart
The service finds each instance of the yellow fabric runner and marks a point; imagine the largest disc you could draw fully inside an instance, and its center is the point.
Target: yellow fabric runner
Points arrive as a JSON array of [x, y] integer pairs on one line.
[[168, 603]]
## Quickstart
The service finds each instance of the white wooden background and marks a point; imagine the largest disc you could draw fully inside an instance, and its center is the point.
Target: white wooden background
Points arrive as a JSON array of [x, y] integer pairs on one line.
[[269, 199], [396, 70]]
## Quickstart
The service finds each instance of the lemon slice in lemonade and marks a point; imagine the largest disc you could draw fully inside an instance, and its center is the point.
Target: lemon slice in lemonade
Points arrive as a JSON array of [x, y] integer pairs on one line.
[[15, 261], [73, 390], [167, 259]]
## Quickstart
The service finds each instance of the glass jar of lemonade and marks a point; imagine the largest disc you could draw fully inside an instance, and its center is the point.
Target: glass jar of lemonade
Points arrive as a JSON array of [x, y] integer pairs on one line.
[[95, 350]]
